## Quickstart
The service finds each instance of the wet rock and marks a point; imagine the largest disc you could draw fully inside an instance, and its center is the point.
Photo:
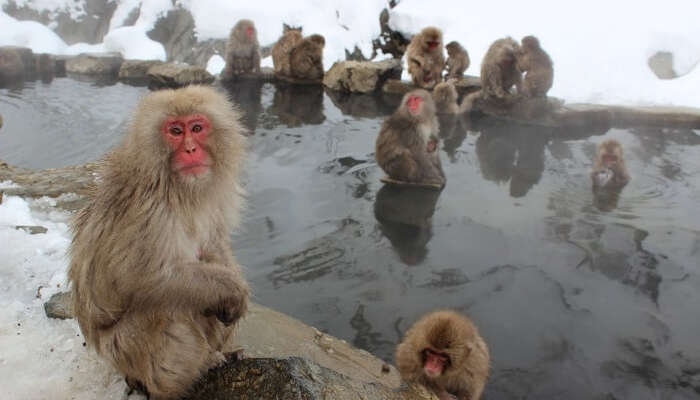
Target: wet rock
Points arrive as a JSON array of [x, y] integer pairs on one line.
[[466, 85], [106, 64], [292, 379], [136, 71], [173, 75], [201, 52], [31, 229], [361, 76], [661, 64], [266, 74], [59, 306], [60, 65], [679, 117], [14, 64], [176, 32], [0, 121], [45, 66]]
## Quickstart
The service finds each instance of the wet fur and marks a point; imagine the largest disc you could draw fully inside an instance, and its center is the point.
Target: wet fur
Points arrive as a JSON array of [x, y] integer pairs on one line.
[[306, 59], [423, 61], [620, 174]]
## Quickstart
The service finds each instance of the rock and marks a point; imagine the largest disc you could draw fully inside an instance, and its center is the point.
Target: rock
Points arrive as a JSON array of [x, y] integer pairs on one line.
[[0, 121], [397, 86], [59, 306], [201, 52], [136, 71], [661, 64], [389, 41], [15, 64], [60, 65], [176, 32], [45, 66], [361, 76], [466, 85], [678, 117], [31, 229], [291, 378], [173, 75], [106, 64], [266, 74]]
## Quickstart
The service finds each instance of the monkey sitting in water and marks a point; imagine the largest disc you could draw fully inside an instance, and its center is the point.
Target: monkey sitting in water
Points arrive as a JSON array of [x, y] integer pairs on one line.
[[444, 352], [609, 170]]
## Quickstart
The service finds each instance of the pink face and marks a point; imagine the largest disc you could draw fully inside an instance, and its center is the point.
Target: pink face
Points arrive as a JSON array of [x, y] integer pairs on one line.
[[433, 44], [435, 363], [414, 104], [250, 31], [187, 135]]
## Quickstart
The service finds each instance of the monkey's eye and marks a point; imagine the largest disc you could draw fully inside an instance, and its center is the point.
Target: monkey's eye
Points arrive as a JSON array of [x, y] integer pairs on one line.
[[175, 130], [197, 128]]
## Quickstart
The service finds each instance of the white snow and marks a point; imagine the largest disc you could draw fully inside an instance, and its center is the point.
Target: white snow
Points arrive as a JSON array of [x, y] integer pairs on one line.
[[32, 268], [216, 64]]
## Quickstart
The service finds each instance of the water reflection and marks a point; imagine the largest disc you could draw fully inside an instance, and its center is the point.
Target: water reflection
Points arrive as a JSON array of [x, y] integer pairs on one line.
[[297, 105], [405, 217], [363, 105], [247, 94]]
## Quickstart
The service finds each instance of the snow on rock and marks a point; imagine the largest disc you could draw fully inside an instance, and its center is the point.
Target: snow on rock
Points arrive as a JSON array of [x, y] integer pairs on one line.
[[216, 64], [133, 44], [30, 34]]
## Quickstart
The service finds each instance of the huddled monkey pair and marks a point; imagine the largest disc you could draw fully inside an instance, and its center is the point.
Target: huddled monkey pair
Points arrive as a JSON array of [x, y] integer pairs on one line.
[[426, 61], [293, 56]]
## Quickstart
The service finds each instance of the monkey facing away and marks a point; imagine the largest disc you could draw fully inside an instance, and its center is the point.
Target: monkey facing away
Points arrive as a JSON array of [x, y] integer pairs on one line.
[[306, 58], [445, 96], [535, 62], [457, 60], [609, 170], [283, 49], [425, 58], [242, 50], [499, 71], [156, 289], [407, 145], [444, 352]]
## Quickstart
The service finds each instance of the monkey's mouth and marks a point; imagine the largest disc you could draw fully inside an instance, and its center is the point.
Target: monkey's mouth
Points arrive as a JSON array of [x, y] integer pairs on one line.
[[433, 44], [435, 362], [427, 77], [193, 169]]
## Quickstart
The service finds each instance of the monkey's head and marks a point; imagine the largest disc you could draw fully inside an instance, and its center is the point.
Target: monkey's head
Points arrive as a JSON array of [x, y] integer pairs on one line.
[[432, 38], [318, 39], [530, 43], [508, 52], [453, 48], [191, 135], [418, 104], [610, 153], [448, 343], [245, 30], [445, 93]]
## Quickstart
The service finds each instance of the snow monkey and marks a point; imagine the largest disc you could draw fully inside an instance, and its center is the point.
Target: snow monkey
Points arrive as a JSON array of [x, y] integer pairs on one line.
[[425, 58], [499, 71], [242, 50], [444, 352], [445, 97], [609, 170], [537, 65], [457, 60], [283, 48], [156, 288], [306, 58], [406, 148]]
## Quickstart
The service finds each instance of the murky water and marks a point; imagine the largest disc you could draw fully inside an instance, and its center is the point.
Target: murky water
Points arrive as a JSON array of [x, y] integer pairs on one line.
[[578, 297]]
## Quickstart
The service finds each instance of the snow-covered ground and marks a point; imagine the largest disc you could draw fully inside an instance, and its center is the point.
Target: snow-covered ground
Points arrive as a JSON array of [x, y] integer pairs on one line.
[[599, 47]]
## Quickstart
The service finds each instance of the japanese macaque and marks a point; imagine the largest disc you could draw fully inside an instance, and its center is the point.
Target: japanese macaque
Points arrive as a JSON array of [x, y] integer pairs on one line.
[[609, 170], [445, 97], [444, 352], [537, 65], [283, 48], [457, 60], [499, 71], [242, 50], [156, 288], [306, 58], [425, 58], [407, 146]]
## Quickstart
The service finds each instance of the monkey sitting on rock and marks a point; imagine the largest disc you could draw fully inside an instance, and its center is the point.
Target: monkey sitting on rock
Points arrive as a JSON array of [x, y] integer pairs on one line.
[[242, 50], [425, 58], [537, 66]]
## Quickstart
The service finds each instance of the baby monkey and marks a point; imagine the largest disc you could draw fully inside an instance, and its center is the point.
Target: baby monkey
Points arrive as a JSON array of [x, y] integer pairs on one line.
[[609, 170], [444, 352]]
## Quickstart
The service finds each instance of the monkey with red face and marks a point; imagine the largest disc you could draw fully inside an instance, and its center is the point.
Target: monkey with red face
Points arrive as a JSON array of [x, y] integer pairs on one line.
[[155, 287], [242, 50]]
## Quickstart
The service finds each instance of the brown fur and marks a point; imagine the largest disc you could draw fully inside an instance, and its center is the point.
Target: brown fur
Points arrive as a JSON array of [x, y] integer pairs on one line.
[[620, 176], [425, 64], [306, 58], [152, 271], [535, 62], [445, 96], [401, 148], [283, 48], [499, 71], [457, 60], [242, 52], [453, 334]]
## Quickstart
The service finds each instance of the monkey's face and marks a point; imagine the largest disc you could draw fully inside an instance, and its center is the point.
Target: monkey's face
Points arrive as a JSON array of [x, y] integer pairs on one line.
[[415, 105], [432, 42], [610, 155], [187, 137], [250, 32], [434, 362]]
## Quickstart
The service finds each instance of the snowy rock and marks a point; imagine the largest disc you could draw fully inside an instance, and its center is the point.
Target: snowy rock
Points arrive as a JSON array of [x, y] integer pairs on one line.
[[59, 306], [661, 65], [32, 229], [176, 75], [95, 64], [176, 32], [136, 71], [361, 76]]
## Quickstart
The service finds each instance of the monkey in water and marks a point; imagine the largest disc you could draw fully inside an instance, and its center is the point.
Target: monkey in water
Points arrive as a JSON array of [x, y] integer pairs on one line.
[[457, 60], [445, 97], [499, 71], [306, 58], [425, 58], [283, 48], [444, 352], [407, 145], [156, 288], [242, 50], [537, 66], [609, 170]]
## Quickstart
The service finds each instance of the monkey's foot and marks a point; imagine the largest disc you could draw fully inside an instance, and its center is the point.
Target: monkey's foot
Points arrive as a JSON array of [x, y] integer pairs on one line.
[[429, 185], [235, 355], [135, 386]]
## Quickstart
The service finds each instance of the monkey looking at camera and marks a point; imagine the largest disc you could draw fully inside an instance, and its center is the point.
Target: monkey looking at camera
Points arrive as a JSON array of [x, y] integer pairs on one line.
[[609, 170], [457, 60], [156, 289], [499, 71], [407, 145], [306, 59], [283, 48], [535, 62], [444, 352], [242, 50], [425, 58]]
